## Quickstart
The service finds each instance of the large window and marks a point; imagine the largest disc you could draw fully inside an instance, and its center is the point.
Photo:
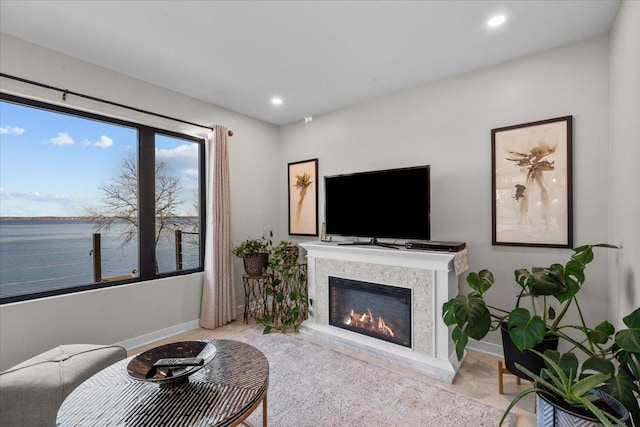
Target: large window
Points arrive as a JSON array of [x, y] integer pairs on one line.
[[88, 201]]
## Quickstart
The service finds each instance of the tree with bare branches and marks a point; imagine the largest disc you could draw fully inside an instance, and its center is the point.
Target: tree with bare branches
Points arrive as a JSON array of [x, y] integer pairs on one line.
[[120, 202]]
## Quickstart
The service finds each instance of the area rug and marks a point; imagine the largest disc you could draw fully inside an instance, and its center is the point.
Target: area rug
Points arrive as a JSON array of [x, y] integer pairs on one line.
[[314, 386]]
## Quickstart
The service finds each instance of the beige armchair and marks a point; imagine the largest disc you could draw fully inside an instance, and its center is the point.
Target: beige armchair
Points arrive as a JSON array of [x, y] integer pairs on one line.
[[31, 393]]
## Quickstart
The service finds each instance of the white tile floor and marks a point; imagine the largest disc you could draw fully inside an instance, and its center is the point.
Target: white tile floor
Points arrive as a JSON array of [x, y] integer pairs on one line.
[[477, 378]]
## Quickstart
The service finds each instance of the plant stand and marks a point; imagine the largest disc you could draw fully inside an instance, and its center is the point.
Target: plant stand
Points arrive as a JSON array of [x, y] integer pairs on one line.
[[501, 371], [255, 297]]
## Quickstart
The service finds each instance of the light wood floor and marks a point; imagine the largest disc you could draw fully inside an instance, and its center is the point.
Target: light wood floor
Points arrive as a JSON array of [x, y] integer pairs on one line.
[[477, 378]]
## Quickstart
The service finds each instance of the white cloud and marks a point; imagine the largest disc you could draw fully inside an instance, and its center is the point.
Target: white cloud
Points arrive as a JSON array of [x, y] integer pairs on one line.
[[193, 173], [63, 138], [105, 142], [35, 196], [11, 130], [182, 151], [180, 160]]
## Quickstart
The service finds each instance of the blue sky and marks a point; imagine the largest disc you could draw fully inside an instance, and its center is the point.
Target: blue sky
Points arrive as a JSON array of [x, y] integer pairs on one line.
[[53, 164]]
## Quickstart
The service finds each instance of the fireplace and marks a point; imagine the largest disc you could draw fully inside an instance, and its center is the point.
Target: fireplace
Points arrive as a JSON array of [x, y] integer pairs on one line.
[[424, 281], [379, 311]]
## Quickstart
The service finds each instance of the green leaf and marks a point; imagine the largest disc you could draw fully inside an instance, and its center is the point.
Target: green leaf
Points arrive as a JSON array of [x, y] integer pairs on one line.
[[573, 278], [481, 325], [569, 364], [522, 276], [633, 319], [601, 333], [546, 281], [449, 312], [525, 331], [481, 281], [583, 254], [574, 270], [266, 329], [629, 340], [460, 339], [598, 364], [551, 359], [584, 385], [469, 313], [606, 328], [551, 313]]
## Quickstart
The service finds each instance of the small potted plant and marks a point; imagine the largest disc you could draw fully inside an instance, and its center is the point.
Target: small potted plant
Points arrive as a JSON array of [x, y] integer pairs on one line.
[[254, 254], [603, 390]]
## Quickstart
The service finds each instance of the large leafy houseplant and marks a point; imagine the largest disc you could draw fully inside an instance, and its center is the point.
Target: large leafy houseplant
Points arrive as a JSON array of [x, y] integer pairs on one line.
[[472, 317], [286, 281], [614, 355]]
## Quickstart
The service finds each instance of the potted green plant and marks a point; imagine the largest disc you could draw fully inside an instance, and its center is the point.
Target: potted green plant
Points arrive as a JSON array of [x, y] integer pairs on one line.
[[563, 397], [286, 281], [254, 254], [603, 390], [613, 359], [526, 327]]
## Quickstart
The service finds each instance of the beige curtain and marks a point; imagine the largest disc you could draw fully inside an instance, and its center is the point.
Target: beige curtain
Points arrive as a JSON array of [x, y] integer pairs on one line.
[[218, 292]]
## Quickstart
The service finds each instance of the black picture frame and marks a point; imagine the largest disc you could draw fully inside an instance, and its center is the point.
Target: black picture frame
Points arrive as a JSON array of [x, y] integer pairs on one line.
[[532, 184], [302, 190]]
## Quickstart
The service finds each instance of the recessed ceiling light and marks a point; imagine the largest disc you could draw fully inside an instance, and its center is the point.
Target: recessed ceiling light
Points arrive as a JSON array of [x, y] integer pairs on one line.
[[276, 101], [496, 21]]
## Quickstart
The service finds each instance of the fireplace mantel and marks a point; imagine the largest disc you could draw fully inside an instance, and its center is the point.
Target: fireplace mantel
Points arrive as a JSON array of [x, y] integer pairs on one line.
[[430, 275]]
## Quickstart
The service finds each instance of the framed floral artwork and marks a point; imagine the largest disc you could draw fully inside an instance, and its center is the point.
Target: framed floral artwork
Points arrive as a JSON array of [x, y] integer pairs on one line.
[[303, 198], [532, 184]]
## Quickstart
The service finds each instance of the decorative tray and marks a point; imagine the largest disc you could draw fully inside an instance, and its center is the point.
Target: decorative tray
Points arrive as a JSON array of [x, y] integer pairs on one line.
[[141, 367]]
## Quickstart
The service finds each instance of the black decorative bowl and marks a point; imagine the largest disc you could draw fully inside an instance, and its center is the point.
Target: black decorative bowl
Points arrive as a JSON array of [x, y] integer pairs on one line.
[[141, 367]]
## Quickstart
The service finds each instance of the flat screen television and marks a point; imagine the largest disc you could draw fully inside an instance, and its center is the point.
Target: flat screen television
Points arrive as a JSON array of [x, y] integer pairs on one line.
[[383, 204]]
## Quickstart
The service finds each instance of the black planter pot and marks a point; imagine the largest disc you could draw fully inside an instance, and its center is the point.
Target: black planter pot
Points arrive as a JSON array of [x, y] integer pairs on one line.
[[526, 358]]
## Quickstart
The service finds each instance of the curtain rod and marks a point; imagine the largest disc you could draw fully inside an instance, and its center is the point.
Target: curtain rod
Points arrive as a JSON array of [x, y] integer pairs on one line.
[[66, 92]]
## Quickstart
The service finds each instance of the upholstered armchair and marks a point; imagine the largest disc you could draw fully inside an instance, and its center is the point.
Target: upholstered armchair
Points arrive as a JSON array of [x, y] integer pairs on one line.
[[32, 392]]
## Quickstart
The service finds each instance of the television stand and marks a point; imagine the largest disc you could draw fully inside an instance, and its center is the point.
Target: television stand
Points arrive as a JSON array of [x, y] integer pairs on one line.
[[372, 242]]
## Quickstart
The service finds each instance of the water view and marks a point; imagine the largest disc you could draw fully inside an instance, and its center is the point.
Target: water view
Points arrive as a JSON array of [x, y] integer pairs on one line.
[[48, 254]]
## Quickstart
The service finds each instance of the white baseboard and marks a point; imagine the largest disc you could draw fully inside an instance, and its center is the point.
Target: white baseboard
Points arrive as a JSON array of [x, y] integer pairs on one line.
[[486, 347], [158, 335], [167, 332]]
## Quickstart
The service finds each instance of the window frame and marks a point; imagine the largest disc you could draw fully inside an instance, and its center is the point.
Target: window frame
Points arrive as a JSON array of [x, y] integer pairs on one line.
[[146, 199]]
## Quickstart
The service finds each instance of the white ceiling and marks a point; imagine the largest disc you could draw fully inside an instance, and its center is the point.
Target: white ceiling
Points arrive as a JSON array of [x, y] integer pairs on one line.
[[319, 56]]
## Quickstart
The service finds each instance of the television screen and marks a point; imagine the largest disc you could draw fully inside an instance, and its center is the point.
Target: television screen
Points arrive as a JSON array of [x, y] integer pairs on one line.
[[392, 204]]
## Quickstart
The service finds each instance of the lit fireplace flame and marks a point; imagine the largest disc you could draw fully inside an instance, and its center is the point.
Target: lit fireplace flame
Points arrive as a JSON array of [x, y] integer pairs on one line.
[[367, 322]]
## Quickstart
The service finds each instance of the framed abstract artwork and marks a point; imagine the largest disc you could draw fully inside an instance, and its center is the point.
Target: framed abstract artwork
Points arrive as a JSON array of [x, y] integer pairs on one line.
[[303, 198], [532, 184]]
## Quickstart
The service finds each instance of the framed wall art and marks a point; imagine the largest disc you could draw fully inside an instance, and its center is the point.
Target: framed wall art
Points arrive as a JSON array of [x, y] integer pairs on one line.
[[532, 184], [303, 198]]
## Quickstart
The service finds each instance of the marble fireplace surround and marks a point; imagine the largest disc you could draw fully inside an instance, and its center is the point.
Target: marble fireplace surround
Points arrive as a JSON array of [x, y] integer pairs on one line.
[[432, 280]]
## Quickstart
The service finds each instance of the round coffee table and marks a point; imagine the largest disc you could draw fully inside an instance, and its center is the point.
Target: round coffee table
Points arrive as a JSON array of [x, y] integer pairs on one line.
[[223, 393]]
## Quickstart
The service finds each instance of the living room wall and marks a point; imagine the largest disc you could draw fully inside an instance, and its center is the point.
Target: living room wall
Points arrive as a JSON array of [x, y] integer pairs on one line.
[[624, 140], [145, 310], [448, 123]]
